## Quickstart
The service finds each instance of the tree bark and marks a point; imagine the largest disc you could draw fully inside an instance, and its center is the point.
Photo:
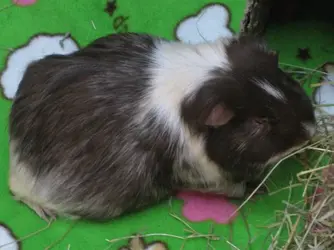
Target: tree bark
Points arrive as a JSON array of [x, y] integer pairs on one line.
[[256, 17]]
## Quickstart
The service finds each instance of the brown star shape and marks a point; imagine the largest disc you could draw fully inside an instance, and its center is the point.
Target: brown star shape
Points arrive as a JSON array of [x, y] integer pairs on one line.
[[110, 7], [303, 54]]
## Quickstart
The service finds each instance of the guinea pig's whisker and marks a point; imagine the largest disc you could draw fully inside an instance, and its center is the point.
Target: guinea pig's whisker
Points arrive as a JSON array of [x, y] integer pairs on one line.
[[304, 68]]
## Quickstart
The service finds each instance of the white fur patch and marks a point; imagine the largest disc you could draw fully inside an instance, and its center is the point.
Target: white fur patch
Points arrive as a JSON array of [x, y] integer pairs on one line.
[[181, 70], [21, 181], [210, 24], [37, 48], [7, 241], [270, 89]]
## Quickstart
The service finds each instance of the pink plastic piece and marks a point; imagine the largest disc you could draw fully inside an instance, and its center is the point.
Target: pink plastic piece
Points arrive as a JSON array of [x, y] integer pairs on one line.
[[24, 2], [201, 207]]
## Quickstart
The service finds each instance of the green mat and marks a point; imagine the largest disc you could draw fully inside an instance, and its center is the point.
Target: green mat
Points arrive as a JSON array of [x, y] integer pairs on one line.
[[188, 20]]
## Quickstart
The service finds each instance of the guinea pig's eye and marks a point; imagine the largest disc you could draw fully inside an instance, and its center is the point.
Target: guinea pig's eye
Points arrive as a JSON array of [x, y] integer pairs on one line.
[[266, 120], [261, 120]]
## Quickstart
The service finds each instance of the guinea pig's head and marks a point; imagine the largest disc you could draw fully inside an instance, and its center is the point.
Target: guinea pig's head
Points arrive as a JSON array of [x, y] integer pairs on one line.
[[250, 112]]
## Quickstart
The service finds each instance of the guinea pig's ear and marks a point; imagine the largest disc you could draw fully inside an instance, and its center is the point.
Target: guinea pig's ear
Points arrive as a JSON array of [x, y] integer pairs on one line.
[[213, 104], [218, 116]]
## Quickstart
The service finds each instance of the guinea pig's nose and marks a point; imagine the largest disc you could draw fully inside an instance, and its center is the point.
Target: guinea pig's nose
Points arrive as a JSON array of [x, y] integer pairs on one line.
[[310, 128]]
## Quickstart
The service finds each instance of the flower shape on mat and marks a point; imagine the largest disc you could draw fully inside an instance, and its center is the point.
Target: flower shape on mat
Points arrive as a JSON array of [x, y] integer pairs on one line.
[[138, 243], [7, 239], [37, 48], [209, 24], [24, 2], [324, 95], [200, 207]]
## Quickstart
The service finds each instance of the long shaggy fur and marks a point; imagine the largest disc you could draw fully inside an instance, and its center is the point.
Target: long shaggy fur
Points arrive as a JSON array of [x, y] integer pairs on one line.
[[123, 123]]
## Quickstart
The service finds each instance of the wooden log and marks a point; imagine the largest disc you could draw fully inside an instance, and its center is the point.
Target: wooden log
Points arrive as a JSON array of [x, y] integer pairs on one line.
[[256, 16]]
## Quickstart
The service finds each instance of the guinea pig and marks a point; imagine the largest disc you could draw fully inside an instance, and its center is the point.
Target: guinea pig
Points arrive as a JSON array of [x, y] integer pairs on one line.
[[129, 119]]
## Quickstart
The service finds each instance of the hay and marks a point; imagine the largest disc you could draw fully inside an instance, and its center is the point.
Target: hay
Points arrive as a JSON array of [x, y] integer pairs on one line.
[[316, 211], [192, 233], [310, 222], [7, 245]]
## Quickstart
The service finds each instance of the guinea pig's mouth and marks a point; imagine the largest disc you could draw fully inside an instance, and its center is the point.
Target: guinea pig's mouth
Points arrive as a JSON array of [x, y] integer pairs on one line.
[[276, 158]]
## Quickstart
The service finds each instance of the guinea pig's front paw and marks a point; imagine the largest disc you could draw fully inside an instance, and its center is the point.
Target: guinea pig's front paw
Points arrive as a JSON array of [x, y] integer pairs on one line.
[[235, 190], [228, 189], [251, 186], [242, 191]]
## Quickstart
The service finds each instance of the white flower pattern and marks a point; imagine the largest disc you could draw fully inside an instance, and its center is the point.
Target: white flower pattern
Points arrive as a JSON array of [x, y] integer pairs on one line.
[[211, 23], [36, 48]]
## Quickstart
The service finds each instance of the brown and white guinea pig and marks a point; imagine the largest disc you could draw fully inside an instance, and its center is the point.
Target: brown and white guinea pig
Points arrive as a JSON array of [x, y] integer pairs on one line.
[[124, 122]]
